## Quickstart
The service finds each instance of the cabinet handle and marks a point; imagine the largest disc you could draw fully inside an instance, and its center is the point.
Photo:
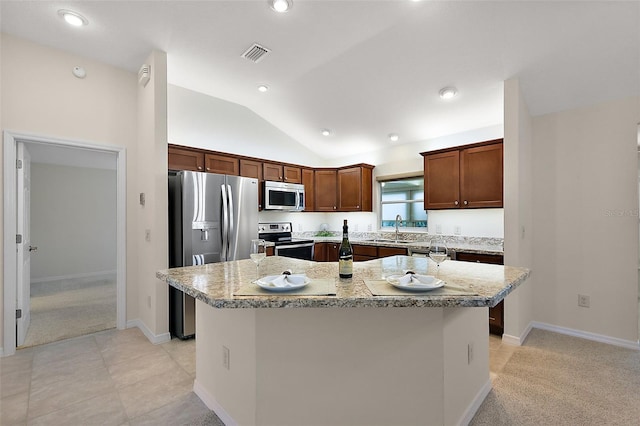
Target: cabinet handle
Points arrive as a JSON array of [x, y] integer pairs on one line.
[[466, 202], [492, 319], [208, 168], [357, 207], [455, 202]]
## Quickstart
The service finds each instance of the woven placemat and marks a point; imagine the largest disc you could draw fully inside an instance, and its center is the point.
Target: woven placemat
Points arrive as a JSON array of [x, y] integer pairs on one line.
[[316, 287], [383, 288]]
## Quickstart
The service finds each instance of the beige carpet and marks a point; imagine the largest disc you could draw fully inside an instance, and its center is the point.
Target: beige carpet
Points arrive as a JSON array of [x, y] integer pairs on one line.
[[61, 310], [561, 380]]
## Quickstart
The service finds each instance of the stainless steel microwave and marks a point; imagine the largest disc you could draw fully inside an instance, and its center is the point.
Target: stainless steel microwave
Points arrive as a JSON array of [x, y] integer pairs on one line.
[[283, 196]]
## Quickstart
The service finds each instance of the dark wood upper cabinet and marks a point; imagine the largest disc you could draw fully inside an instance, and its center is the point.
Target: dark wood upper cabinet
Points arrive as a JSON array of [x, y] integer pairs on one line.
[[308, 180], [481, 176], [185, 159], [354, 188], [464, 177], [273, 172], [250, 168], [223, 164], [292, 174], [326, 190], [325, 184]]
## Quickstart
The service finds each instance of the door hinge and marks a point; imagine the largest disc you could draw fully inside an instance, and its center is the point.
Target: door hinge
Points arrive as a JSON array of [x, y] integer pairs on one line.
[[18, 164], [18, 238], [18, 313]]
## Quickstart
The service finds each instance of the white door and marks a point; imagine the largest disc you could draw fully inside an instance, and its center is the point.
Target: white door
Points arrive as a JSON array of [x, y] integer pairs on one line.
[[23, 293]]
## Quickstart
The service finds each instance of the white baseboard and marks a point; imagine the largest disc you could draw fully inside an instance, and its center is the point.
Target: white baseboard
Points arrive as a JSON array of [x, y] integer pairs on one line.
[[471, 410], [517, 340], [75, 276], [153, 338], [212, 404], [630, 344]]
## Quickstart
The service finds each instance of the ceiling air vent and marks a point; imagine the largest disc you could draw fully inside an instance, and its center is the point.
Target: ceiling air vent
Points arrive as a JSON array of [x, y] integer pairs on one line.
[[255, 53]]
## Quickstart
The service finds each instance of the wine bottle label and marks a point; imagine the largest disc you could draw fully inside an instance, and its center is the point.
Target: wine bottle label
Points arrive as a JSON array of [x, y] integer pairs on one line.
[[345, 266]]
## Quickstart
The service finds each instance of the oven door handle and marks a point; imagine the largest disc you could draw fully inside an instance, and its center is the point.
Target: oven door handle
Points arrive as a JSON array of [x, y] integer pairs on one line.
[[288, 246]]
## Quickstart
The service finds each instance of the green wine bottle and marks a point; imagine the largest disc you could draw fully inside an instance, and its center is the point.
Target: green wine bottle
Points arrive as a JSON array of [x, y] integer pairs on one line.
[[345, 254]]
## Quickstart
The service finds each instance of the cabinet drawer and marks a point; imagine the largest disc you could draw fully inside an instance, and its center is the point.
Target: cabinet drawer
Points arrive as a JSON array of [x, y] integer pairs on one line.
[[391, 251], [371, 251], [495, 259]]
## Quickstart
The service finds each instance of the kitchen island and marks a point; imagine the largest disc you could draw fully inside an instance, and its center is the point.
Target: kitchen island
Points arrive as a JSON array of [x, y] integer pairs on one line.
[[344, 358]]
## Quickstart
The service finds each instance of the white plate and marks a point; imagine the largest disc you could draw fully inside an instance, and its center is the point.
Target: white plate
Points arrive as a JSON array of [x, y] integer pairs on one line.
[[428, 282], [265, 283]]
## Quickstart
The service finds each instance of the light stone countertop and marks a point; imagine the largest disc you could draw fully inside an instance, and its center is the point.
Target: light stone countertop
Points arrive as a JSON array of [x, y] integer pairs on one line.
[[216, 283]]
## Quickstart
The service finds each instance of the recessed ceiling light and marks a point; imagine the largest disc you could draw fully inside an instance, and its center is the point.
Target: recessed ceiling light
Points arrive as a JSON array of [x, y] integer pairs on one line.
[[263, 88], [73, 18], [326, 132], [393, 137], [448, 92], [281, 6]]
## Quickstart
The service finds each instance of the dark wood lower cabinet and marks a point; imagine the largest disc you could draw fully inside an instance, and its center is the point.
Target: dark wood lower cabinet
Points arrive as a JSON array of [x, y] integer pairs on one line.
[[496, 314]]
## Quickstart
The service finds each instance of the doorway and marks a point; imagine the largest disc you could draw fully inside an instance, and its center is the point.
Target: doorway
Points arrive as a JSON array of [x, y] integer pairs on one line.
[[76, 285]]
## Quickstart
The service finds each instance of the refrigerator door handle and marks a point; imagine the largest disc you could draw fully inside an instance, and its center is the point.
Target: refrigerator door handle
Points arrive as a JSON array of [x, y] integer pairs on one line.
[[231, 221], [225, 225]]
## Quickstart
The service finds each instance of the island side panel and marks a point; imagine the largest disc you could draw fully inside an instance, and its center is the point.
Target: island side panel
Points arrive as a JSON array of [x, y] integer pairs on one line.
[[228, 392], [355, 366], [466, 381]]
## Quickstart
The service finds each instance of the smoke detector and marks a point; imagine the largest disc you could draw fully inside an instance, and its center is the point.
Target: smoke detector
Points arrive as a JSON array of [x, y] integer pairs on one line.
[[255, 53]]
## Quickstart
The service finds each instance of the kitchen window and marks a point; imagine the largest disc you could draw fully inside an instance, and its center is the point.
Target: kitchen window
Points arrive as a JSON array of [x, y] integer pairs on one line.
[[404, 197]]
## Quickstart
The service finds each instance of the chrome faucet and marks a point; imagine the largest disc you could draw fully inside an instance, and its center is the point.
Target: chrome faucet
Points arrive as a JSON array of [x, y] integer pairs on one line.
[[398, 220]]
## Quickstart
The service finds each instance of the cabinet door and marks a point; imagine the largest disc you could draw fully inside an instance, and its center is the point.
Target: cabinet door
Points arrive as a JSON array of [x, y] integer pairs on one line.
[[320, 252], [292, 174], [442, 180], [185, 159], [391, 251], [250, 168], [272, 172], [325, 190], [350, 189], [332, 252], [481, 178], [309, 189], [223, 164]]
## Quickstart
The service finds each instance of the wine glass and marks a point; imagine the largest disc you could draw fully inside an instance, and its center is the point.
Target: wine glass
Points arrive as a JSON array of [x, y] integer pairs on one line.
[[258, 252], [438, 252]]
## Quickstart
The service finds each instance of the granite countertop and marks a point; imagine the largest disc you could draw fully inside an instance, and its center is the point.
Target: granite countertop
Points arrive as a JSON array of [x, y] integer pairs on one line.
[[216, 283]]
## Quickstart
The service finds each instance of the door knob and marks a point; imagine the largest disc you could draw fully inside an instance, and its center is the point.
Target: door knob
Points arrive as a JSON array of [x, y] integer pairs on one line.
[[33, 248]]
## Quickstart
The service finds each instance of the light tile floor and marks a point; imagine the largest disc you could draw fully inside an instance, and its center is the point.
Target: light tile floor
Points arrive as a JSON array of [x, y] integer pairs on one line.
[[111, 378], [117, 378]]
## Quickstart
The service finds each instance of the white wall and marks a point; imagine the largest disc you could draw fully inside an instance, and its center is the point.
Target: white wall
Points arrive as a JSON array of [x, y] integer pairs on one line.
[[206, 122], [518, 204], [151, 169], [41, 96], [74, 237], [585, 201]]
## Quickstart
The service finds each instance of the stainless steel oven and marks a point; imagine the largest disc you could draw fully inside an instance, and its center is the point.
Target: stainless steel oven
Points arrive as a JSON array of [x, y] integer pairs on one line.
[[279, 233]]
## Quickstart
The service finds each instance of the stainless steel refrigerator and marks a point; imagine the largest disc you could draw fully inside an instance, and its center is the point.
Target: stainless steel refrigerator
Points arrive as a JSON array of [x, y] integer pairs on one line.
[[212, 218]]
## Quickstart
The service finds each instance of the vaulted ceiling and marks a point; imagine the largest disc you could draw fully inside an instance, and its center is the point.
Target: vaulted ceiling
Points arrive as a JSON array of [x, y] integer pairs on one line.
[[362, 69]]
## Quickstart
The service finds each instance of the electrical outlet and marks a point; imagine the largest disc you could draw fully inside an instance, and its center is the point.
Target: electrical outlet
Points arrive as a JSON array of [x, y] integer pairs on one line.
[[147, 235], [355, 227], [369, 227], [438, 229], [584, 300], [149, 302], [457, 230], [225, 357], [300, 227], [469, 352], [522, 232]]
